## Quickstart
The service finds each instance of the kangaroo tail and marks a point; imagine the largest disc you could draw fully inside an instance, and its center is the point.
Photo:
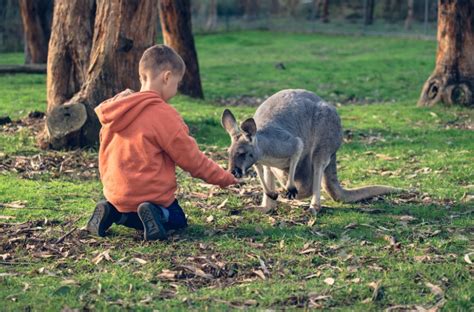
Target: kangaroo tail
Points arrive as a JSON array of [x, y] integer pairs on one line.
[[338, 193]]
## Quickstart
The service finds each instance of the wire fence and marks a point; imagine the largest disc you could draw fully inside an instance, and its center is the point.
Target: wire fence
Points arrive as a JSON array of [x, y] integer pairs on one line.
[[407, 18]]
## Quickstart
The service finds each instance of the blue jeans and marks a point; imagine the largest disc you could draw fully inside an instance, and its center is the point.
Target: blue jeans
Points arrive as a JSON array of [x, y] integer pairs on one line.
[[176, 219]]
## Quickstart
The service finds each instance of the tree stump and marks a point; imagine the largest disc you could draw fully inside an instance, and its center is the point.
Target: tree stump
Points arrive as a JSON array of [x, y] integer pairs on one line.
[[452, 81]]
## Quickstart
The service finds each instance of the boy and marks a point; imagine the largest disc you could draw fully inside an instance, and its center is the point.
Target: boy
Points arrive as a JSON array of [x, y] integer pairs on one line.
[[141, 141]]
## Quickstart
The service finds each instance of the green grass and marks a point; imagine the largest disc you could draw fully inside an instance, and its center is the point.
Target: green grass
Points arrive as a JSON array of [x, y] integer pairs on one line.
[[393, 142]]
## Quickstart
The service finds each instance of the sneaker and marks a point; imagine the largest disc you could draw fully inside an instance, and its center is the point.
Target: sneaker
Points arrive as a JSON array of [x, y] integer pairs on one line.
[[102, 218], [153, 220]]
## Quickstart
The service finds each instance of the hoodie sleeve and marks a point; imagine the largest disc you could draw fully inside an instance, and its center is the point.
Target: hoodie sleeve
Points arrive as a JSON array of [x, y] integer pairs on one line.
[[184, 151]]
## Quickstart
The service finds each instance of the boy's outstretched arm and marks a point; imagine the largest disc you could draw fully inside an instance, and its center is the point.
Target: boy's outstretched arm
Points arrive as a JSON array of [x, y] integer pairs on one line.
[[184, 151]]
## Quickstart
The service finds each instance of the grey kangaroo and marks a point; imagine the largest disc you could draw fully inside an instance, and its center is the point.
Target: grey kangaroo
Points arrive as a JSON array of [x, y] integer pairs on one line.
[[293, 136]]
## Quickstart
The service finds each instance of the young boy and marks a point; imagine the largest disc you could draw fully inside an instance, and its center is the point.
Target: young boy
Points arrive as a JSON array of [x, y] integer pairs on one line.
[[141, 141]]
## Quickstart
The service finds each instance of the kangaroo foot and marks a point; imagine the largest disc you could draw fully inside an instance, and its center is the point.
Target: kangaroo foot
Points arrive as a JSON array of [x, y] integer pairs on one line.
[[272, 195], [291, 192], [315, 211]]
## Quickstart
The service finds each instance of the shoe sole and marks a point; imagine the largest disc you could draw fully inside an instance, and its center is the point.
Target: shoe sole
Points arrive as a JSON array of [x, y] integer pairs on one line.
[[94, 225], [152, 227]]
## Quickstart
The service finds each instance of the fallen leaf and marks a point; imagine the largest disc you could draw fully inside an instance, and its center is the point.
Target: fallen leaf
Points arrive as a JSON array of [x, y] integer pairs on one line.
[[378, 293], [15, 204], [407, 218], [101, 256], [317, 274], [351, 226], [221, 205], [167, 275], [6, 217], [435, 289], [467, 257], [330, 281], [68, 282], [260, 274], [307, 251], [197, 271], [356, 280], [385, 157], [210, 219], [139, 261]]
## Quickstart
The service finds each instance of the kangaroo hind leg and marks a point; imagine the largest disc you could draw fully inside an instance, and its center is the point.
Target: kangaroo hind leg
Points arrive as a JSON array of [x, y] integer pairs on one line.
[[318, 170]]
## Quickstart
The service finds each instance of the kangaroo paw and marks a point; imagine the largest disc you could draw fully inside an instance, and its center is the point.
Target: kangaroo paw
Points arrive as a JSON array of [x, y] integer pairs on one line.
[[291, 192], [272, 195]]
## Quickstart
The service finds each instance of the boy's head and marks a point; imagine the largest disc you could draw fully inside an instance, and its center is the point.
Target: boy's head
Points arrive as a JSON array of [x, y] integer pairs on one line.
[[161, 69]]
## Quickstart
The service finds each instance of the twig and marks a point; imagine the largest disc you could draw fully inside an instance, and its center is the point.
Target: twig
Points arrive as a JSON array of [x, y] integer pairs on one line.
[[65, 235], [14, 263]]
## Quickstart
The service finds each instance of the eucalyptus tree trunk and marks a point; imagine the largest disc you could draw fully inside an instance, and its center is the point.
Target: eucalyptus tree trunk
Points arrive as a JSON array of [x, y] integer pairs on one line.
[[452, 81], [211, 15], [36, 16], [410, 13], [369, 12], [175, 16], [325, 15], [91, 63]]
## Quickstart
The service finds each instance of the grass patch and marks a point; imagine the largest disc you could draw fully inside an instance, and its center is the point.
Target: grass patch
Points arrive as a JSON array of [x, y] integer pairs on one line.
[[401, 250]]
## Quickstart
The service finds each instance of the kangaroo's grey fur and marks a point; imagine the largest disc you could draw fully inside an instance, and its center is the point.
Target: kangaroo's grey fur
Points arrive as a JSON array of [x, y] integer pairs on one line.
[[293, 136]]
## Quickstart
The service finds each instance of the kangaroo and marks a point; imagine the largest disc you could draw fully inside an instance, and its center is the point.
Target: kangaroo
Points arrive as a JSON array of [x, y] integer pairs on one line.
[[293, 137]]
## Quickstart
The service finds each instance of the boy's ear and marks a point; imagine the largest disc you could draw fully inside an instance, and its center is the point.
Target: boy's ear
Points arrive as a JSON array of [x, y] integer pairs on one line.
[[229, 123], [249, 127], [166, 76]]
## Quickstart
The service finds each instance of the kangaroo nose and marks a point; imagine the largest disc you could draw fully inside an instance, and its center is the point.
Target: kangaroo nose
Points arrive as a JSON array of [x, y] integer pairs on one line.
[[236, 172]]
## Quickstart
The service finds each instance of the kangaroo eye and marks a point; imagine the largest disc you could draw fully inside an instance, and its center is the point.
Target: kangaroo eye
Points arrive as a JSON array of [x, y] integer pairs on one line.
[[251, 155]]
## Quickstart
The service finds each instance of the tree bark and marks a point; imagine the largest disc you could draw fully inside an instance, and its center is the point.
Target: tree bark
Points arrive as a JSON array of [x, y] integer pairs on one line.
[[369, 12], [212, 15], [292, 6], [91, 63], [409, 19], [36, 18], [176, 26], [251, 8], [325, 16], [275, 7], [452, 81]]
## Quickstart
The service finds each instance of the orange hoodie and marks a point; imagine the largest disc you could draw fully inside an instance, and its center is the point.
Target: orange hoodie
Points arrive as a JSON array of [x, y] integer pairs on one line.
[[141, 141]]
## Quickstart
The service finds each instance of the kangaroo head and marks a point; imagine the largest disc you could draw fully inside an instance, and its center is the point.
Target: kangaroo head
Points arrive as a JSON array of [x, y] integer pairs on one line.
[[242, 151]]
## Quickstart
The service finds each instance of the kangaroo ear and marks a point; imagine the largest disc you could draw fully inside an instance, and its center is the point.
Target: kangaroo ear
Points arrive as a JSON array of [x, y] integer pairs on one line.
[[229, 123], [249, 127]]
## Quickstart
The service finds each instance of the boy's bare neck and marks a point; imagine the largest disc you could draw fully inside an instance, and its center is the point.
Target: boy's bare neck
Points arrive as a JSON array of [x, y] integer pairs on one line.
[[147, 88]]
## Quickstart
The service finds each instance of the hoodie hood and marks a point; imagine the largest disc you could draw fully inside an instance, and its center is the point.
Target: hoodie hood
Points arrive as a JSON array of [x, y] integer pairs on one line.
[[120, 111]]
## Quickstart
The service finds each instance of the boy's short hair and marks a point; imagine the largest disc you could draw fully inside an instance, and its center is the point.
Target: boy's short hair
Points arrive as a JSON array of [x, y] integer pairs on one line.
[[160, 57]]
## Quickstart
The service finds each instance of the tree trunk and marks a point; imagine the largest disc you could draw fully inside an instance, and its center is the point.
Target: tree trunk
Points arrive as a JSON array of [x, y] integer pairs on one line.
[[36, 18], [275, 7], [409, 19], [292, 6], [177, 33], [452, 81], [387, 12], [251, 8], [369, 12], [212, 15], [91, 63], [325, 16]]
